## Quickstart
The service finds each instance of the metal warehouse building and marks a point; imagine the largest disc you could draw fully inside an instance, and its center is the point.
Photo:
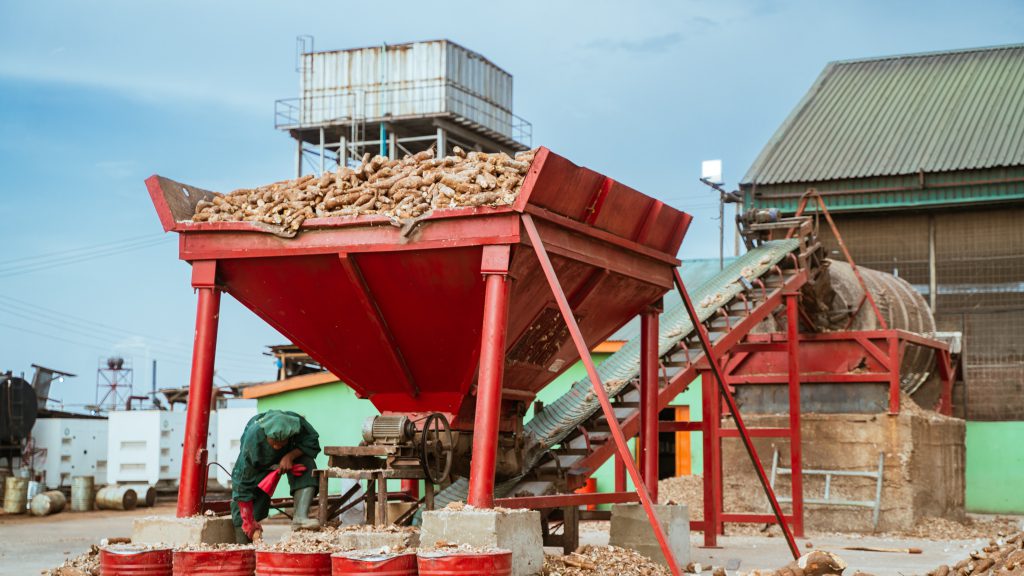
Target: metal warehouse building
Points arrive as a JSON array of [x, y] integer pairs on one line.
[[921, 159]]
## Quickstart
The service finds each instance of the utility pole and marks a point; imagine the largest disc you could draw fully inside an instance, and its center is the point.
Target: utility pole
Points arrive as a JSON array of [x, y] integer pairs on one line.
[[711, 175]]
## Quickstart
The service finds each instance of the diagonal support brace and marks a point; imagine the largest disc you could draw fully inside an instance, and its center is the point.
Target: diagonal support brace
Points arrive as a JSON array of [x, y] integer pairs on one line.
[[716, 369], [599, 391]]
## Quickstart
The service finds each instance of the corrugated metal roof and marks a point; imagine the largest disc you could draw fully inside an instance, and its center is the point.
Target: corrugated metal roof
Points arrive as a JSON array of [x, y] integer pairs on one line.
[[931, 112]]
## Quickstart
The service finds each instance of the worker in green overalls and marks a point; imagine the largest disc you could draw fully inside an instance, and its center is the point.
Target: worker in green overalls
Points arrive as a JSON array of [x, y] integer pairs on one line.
[[273, 439]]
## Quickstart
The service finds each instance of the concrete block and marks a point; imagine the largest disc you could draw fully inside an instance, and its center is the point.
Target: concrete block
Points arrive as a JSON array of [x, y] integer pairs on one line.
[[515, 530], [176, 531], [367, 539], [631, 529]]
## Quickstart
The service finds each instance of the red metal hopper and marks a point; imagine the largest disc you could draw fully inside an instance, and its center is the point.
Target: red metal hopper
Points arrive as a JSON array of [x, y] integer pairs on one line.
[[488, 303], [396, 313]]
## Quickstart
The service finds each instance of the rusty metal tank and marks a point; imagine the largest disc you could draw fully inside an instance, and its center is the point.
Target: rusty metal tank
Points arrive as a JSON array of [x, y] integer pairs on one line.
[[440, 563], [359, 563], [293, 563], [135, 560], [901, 306], [240, 562]]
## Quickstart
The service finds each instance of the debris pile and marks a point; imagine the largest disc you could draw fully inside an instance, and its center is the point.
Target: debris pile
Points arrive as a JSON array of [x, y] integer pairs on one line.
[[945, 529], [816, 563], [998, 558], [688, 490], [87, 564], [399, 189], [602, 561]]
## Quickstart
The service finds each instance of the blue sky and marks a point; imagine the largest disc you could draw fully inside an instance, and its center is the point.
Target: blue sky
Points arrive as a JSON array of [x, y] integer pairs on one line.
[[96, 96]]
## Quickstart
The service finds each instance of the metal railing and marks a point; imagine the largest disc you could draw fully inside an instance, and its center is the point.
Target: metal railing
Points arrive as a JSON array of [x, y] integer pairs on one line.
[[419, 99]]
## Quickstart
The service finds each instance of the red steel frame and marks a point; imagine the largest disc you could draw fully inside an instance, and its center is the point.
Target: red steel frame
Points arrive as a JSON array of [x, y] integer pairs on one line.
[[200, 390]]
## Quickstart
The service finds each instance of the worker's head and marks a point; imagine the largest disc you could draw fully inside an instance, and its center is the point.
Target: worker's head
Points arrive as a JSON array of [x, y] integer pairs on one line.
[[279, 427]]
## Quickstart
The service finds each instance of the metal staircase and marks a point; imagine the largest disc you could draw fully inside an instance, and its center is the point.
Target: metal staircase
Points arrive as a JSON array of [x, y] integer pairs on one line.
[[568, 439]]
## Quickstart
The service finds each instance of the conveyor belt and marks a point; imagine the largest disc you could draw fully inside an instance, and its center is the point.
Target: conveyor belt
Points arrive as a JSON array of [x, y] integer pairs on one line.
[[560, 418]]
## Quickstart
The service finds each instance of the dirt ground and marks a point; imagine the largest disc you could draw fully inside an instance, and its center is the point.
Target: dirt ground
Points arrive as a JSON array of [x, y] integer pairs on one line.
[[32, 544]]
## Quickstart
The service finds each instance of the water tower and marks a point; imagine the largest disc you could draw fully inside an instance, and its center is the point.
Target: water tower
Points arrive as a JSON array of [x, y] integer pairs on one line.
[[114, 379], [397, 99]]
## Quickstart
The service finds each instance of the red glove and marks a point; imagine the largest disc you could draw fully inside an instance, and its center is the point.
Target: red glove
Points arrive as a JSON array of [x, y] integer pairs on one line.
[[249, 523], [298, 469]]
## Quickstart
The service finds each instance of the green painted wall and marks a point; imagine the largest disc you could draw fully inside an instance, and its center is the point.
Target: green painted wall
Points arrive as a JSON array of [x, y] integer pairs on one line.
[[995, 467]]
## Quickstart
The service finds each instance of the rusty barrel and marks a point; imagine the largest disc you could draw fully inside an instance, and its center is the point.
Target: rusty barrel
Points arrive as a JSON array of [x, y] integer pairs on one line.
[[441, 563], [83, 493], [48, 503], [362, 562], [135, 560], [15, 495], [292, 563], [241, 562], [114, 497]]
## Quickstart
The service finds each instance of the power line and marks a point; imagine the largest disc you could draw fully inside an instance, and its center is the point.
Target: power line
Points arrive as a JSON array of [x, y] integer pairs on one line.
[[250, 369], [75, 259], [92, 325], [89, 248], [160, 353]]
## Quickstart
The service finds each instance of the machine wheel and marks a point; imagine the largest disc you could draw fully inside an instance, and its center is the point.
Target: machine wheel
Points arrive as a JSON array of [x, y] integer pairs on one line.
[[436, 448]]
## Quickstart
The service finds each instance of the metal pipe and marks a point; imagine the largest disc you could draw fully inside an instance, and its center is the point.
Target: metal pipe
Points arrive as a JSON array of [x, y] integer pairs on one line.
[[298, 160], [488, 392], [932, 280], [322, 143], [200, 390], [649, 399]]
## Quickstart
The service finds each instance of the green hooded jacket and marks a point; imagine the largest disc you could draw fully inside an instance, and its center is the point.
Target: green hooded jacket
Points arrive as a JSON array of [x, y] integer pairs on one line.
[[256, 456]]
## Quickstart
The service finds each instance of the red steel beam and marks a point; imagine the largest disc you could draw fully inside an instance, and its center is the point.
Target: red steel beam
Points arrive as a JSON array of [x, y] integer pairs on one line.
[[682, 379], [649, 398], [795, 449], [200, 390], [562, 500], [716, 369], [599, 391], [492, 365], [380, 329]]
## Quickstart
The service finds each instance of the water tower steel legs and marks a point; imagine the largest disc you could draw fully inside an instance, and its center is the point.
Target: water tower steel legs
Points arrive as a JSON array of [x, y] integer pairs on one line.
[[488, 387], [200, 390], [649, 398]]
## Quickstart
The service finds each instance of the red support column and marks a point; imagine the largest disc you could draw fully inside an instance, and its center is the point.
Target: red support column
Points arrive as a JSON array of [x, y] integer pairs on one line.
[[795, 449], [488, 387], [620, 474], [649, 399], [711, 416], [894, 374], [200, 390]]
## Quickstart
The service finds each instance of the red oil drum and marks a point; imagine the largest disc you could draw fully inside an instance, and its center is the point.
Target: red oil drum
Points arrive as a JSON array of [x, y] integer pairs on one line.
[[359, 563], [292, 563], [135, 560], [215, 562], [440, 563]]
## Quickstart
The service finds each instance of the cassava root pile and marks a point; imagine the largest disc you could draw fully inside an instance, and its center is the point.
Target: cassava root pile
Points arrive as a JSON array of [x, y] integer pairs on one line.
[[999, 558], [399, 189]]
